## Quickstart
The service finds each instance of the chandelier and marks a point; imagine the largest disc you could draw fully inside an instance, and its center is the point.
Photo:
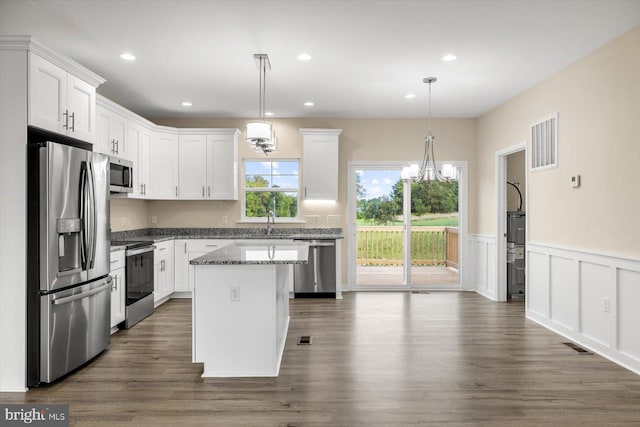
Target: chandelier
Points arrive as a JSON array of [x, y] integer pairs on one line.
[[427, 170], [259, 133]]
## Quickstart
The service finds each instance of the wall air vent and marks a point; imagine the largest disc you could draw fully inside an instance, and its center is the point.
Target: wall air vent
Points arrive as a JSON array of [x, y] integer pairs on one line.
[[544, 144]]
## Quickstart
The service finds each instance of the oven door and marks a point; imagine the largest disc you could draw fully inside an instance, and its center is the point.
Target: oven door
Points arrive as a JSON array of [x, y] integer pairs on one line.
[[139, 271]]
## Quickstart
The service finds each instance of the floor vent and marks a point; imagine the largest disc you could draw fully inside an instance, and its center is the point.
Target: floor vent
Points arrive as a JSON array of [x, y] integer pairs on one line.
[[420, 292], [304, 340], [577, 348]]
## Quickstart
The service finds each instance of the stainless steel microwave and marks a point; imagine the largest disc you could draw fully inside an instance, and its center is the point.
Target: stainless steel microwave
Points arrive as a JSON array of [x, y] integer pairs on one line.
[[121, 174]]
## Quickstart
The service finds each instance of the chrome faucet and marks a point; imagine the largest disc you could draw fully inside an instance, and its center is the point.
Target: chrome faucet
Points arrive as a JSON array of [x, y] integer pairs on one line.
[[271, 220]]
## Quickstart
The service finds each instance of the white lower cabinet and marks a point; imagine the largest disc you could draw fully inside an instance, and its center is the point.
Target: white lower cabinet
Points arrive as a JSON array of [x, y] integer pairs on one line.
[[163, 271], [118, 293], [181, 265]]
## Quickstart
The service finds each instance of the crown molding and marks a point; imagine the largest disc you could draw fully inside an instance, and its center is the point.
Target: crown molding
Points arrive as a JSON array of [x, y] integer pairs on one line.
[[28, 43]]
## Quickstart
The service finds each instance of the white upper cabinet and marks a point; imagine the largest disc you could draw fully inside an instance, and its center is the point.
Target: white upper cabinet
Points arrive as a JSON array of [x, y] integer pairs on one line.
[[193, 167], [164, 166], [208, 165], [222, 164], [111, 133], [138, 151], [59, 101], [320, 163]]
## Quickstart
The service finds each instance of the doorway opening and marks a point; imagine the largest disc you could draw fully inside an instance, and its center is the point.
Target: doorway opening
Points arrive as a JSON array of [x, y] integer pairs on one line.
[[511, 223], [405, 235]]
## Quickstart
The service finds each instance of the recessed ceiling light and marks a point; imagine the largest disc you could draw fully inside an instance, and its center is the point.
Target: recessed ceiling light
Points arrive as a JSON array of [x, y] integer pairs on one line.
[[186, 104], [128, 56], [449, 57], [268, 113], [304, 57], [410, 95], [309, 104]]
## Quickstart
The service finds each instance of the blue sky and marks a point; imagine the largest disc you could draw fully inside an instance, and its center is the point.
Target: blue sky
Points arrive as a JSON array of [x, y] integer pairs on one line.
[[378, 182]]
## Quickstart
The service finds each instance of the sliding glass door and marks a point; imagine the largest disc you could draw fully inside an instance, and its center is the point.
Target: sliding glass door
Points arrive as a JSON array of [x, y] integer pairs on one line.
[[380, 228], [406, 233]]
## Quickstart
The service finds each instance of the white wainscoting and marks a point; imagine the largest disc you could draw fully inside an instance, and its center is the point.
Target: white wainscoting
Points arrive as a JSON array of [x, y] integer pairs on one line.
[[482, 271], [591, 299]]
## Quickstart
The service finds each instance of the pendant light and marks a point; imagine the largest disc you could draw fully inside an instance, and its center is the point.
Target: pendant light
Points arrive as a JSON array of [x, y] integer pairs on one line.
[[428, 170], [259, 133]]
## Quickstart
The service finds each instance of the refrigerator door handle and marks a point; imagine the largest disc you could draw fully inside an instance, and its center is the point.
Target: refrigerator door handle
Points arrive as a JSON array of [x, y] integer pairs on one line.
[[83, 216], [315, 269], [94, 222], [75, 297]]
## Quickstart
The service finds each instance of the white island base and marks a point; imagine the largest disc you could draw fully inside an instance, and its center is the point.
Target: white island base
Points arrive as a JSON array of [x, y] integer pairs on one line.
[[240, 318]]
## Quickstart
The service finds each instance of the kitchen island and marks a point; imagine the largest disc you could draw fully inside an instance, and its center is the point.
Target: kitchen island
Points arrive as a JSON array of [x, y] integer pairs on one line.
[[241, 307]]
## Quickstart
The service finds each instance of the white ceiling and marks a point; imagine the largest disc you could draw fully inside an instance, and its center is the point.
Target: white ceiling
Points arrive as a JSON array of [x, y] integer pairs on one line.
[[366, 54]]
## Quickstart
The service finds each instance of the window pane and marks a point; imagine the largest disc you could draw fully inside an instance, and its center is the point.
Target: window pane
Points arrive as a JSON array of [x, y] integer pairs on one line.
[[284, 205], [252, 167], [285, 181], [262, 181], [286, 167]]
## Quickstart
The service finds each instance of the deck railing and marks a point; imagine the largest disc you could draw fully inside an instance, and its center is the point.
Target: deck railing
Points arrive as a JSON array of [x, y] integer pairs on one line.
[[382, 245]]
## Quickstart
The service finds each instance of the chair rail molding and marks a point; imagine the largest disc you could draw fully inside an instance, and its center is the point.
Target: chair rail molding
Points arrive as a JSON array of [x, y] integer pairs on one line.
[[588, 297], [482, 271]]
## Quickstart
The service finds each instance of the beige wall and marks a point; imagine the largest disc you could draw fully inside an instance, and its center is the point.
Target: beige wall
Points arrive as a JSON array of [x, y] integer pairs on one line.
[[599, 122], [129, 214], [516, 173]]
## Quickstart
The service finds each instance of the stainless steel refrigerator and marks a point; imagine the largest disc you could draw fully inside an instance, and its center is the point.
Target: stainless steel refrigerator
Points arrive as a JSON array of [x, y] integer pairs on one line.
[[69, 289]]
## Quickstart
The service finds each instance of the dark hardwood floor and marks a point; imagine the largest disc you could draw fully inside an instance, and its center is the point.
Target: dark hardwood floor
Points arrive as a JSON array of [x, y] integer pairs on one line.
[[376, 359]]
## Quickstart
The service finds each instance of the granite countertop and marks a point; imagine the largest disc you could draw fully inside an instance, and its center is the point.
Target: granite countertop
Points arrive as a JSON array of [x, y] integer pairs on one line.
[[163, 234], [257, 252], [117, 248]]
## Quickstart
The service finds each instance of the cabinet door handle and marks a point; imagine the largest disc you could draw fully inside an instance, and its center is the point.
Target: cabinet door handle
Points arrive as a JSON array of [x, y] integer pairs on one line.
[[185, 247], [66, 119], [141, 188], [209, 189], [113, 146], [203, 191], [176, 191], [117, 146], [73, 122], [305, 191], [114, 286], [144, 189]]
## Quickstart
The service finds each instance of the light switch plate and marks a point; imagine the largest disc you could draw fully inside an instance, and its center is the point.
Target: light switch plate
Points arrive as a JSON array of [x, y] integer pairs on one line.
[[312, 219], [333, 219]]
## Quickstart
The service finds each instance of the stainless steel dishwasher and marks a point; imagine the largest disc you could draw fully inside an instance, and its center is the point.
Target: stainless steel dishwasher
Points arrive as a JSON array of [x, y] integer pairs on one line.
[[317, 279]]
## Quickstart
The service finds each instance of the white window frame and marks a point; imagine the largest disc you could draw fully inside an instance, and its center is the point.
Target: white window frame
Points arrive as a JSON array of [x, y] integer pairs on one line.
[[297, 190]]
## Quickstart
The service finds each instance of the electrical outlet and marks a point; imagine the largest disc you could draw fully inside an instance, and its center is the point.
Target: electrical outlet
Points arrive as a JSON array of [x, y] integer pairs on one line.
[[225, 219], [575, 181], [234, 292], [154, 219], [607, 305]]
